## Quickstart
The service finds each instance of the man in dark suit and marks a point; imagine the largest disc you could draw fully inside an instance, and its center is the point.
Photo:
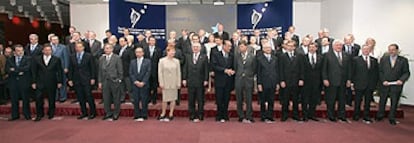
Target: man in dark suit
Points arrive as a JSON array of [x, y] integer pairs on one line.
[[108, 34], [336, 78], [82, 77], [153, 53], [139, 73], [76, 38], [184, 40], [267, 81], [68, 39], [203, 37], [222, 65], [304, 46], [313, 83], [47, 77], [110, 74], [221, 32], [291, 79], [127, 54], [33, 49], [364, 79], [394, 71], [293, 35], [195, 76], [324, 47], [245, 67], [352, 50], [18, 69]]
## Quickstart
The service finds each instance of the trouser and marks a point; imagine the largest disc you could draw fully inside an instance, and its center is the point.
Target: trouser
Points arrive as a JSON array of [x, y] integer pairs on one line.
[[395, 97], [153, 89], [290, 92], [349, 96], [126, 89], [267, 96], [365, 94], [311, 98], [61, 93], [196, 94], [16, 94], [335, 93], [111, 91], [140, 97], [84, 94], [51, 96], [222, 100], [244, 93]]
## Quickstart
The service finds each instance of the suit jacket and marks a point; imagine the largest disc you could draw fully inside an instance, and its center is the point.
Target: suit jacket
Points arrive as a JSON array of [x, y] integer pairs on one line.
[[400, 71], [143, 75], [364, 78], [312, 74], [245, 69], [36, 52], [337, 74], [71, 47], [21, 76], [169, 73], [267, 71], [3, 62], [219, 64], [63, 54], [96, 48], [224, 35], [154, 59], [354, 50], [300, 50], [126, 57], [81, 74], [183, 43], [291, 70], [47, 76], [112, 71], [296, 39], [197, 73]]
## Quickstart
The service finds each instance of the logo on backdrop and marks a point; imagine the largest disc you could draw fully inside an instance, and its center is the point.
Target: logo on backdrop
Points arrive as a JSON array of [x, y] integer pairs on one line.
[[257, 16], [136, 16]]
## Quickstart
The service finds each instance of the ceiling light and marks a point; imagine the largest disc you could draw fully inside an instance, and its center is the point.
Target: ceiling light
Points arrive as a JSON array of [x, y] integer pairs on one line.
[[12, 2], [20, 8], [218, 2], [34, 2]]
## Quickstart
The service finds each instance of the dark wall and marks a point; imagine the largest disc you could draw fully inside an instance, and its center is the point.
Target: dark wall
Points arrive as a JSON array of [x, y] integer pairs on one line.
[[17, 30]]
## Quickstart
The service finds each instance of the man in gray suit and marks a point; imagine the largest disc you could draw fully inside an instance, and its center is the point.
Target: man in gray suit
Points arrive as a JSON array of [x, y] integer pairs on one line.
[[62, 53], [245, 67], [110, 74]]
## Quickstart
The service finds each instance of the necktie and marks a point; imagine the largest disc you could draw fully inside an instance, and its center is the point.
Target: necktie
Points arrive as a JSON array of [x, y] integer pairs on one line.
[[312, 61], [195, 58], [32, 47], [393, 59], [79, 58], [108, 58], [339, 58], [225, 55], [90, 43], [18, 61], [139, 65], [268, 58]]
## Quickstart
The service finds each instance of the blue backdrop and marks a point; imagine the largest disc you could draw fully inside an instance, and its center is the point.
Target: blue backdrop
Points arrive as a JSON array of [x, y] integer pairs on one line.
[[137, 18], [275, 14]]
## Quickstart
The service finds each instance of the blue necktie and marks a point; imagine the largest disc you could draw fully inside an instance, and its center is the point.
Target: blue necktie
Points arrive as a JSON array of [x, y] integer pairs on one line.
[[79, 58]]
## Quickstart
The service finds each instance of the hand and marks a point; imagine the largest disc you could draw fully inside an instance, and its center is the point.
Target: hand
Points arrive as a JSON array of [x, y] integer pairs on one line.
[[12, 69], [99, 85], [232, 72], [326, 83], [211, 73], [259, 88], [136, 83], [162, 87], [34, 85], [348, 83], [59, 85], [65, 70], [70, 83], [205, 83], [385, 83], [282, 84], [277, 87], [399, 82], [301, 83], [184, 83], [92, 82], [21, 73], [228, 72]]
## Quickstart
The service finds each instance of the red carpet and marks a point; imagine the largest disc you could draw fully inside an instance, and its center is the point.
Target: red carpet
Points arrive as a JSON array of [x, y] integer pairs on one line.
[[70, 130]]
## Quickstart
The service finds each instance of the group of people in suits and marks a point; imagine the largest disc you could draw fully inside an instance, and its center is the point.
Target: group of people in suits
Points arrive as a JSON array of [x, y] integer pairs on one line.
[[298, 72]]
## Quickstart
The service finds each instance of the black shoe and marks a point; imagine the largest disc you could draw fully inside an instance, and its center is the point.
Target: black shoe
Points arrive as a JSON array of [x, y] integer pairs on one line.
[[115, 118], [263, 119], [82, 116], [145, 118], [160, 117], [50, 117], [62, 101], [74, 102], [177, 103], [355, 118], [305, 119], [171, 118], [240, 119], [343, 120], [106, 117], [378, 119], [37, 119], [201, 118], [14, 119], [251, 120], [297, 119], [367, 120], [332, 119], [271, 119], [27, 118], [136, 117], [92, 116], [393, 122], [314, 119], [283, 119]]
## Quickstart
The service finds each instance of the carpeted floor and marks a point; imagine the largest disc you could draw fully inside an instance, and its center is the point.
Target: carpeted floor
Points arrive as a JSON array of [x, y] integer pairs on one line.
[[181, 130]]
